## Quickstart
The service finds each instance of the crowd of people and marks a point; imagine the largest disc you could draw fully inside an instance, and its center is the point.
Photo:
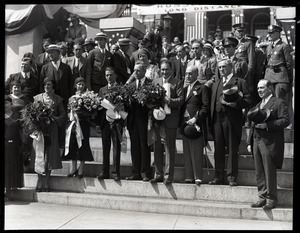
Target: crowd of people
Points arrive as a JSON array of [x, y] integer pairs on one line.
[[212, 86]]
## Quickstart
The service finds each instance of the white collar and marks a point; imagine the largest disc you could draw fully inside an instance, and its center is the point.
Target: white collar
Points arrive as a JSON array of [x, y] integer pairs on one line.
[[140, 80], [276, 41], [57, 63], [27, 74], [228, 78], [266, 100]]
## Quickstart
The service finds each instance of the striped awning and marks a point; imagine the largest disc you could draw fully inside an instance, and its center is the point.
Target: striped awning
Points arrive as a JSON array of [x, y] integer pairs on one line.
[[22, 18]]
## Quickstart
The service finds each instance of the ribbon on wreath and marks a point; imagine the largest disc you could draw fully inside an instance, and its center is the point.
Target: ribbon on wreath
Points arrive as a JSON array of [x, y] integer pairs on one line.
[[38, 144], [79, 135]]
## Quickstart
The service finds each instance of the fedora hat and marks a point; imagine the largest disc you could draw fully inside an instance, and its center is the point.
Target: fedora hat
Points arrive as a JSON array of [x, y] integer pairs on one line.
[[231, 93], [123, 41], [258, 115], [100, 35], [190, 131], [159, 114], [53, 47]]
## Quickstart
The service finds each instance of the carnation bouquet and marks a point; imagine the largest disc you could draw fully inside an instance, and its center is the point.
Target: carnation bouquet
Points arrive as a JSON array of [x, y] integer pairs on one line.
[[36, 116], [86, 101], [151, 95]]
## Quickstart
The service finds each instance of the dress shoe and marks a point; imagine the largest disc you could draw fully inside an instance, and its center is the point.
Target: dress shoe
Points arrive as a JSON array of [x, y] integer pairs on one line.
[[157, 179], [232, 183], [146, 179], [215, 182], [133, 177], [80, 176], [101, 177], [189, 181], [269, 206], [167, 181], [73, 174], [117, 178], [258, 204], [198, 182]]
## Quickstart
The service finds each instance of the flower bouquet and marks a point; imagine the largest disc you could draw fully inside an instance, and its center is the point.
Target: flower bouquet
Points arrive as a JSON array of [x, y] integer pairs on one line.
[[151, 95], [86, 101], [118, 97], [36, 116]]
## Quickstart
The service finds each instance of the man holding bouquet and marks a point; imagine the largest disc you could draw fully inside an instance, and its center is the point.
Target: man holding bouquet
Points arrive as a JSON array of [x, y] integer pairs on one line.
[[110, 131], [137, 121], [168, 128]]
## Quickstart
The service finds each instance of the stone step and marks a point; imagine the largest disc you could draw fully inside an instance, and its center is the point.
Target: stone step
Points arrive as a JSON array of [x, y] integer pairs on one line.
[[201, 208], [245, 177], [182, 191], [246, 162], [288, 134]]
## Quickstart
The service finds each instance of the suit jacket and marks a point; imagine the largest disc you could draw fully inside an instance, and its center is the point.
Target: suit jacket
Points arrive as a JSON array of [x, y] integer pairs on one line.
[[273, 137], [209, 67], [30, 87], [41, 60], [99, 62], [201, 68], [178, 68], [234, 114], [121, 64], [76, 33], [137, 112], [176, 100], [84, 67], [62, 76], [279, 55]]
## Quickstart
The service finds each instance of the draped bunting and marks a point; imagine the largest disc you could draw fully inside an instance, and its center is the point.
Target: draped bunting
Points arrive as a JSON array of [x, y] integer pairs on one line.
[[22, 18]]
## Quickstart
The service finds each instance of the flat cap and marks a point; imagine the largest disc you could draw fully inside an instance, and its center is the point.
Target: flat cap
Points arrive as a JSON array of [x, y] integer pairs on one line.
[[274, 28]]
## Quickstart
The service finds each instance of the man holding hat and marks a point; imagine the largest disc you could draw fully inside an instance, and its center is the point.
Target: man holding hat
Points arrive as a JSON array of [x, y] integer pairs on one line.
[[245, 51], [266, 142], [121, 61], [279, 69], [89, 44], [194, 112], [76, 32], [100, 58], [227, 120], [173, 100]]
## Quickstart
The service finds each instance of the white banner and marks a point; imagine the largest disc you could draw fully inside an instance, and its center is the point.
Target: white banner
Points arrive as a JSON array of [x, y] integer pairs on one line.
[[175, 9]]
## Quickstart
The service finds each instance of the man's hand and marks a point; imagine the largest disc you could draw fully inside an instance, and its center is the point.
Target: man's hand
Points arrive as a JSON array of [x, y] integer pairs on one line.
[[261, 126], [191, 121], [167, 100], [230, 104], [249, 148]]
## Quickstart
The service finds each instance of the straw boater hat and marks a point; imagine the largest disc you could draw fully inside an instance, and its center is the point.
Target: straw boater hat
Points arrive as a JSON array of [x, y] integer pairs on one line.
[[100, 35], [53, 47], [159, 114], [258, 115]]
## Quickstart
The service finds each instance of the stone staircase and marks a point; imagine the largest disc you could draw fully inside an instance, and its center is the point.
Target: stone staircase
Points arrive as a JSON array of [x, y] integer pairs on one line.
[[220, 201]]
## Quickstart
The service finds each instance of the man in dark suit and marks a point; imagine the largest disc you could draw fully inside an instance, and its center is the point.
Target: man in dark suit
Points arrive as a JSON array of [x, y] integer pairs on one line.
[[137, 121], [80, 66], [100, 58], [121, 61], [174, 99], [266, 141], [227, 121], [43, 58], [110, 131], [62, 75], [29, 82], [194, 112], [179, 63]]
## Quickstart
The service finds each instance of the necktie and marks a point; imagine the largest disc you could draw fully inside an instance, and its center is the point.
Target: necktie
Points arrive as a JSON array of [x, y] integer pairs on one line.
[[189, 90], [263, 103], [224, 80], [139, 84]]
